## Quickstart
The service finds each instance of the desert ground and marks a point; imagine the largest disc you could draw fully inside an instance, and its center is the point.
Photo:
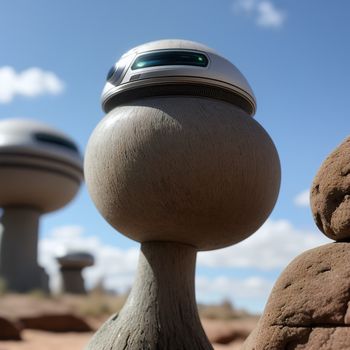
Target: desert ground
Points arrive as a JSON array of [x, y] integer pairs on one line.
[[225, 326]]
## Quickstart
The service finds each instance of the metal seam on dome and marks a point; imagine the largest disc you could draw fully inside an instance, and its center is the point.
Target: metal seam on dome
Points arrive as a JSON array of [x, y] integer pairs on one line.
[[180, 89], [36, 167], [46, 158]]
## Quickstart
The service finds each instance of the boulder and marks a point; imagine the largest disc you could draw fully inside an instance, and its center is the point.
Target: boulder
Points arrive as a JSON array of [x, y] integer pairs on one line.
[[56, 323], [9, 330], [330, 194], [224, 332], [309, 305]]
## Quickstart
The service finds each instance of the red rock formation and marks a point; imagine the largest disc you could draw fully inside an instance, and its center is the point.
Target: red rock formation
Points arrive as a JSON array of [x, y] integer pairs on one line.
[[309, 304], [8, 330], [56, 323], [330, 194]]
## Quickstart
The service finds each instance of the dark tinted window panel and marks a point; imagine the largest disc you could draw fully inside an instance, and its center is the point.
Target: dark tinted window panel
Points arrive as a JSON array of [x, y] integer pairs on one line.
[[115, 73], [56, 140], [170, 58], [110, 73]]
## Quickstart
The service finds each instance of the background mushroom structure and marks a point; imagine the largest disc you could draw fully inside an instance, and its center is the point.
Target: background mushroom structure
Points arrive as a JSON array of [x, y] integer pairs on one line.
[[309, 304], [71, 266], [179, 165], [40, 171]]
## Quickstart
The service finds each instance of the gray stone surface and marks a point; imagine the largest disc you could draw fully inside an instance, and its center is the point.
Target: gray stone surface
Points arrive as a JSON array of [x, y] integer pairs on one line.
[[178, 174], [19, 250], [182, 169]]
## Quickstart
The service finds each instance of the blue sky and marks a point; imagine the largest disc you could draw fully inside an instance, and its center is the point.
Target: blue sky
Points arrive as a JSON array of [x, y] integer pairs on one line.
[[54, 57]]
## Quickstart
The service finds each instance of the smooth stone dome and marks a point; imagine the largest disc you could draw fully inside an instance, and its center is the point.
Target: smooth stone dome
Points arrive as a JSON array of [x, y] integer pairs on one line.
[[39, 166], [182, 169]]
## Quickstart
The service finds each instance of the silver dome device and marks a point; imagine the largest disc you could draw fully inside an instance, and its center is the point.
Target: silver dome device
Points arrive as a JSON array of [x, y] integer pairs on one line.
[[41, 170], [176, 67]]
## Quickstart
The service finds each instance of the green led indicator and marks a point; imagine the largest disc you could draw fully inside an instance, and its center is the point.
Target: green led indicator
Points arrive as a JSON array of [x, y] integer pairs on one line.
[[170, 58]]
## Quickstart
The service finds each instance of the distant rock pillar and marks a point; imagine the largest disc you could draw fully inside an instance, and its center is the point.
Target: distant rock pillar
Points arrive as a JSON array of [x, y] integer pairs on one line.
[[40, 172], [19, 250], [71, 266]]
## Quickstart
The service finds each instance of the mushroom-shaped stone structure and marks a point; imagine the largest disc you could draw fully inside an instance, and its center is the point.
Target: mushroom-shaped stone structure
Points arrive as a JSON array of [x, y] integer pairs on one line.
[[179, 165], [40, 171], [71, 266], [309, 306]]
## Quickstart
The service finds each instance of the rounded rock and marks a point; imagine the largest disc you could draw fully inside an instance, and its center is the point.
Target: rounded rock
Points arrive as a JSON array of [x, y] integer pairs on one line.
[[308, 307], [330, 194], [183, 169]]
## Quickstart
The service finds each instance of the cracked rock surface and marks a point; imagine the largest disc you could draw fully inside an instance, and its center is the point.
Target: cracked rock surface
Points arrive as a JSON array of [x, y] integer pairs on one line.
[[308, 306], [330, 194]]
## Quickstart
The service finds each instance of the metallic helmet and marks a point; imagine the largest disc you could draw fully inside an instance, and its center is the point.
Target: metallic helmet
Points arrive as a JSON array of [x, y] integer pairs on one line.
[[176, 67]]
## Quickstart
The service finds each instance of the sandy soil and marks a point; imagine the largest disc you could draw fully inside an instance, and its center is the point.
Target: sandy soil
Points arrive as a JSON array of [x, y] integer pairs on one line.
[[14, 306], [38, 340]]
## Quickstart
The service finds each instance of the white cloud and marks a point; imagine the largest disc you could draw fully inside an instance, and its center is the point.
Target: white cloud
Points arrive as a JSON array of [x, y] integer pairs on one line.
[[244, 5], [269, 15], [273, 246], [214, 290], [302, 199], [264, 12], [31, 82], [270, 249], [115, 266]]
